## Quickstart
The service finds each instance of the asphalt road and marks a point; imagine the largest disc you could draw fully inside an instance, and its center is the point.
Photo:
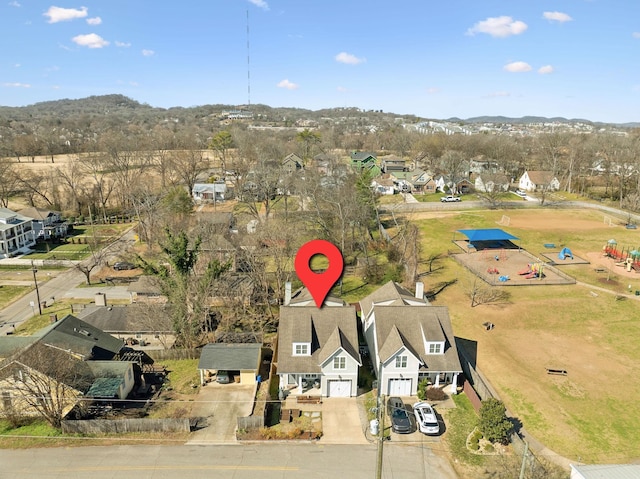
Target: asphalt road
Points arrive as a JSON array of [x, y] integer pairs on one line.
[[266, 461]]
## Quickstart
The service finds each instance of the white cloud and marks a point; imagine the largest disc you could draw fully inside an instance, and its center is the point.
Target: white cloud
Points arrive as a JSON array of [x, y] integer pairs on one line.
[[288, 85], [545, 70], [58, 14], [94, 21], [349, 59], [342, 89], [557, 17], [498, 27], [90, 40], [122, 44], [14, 4], [433, 90], [148, 53], [635, 34], [17, 85], [260, 3], [517, 67]]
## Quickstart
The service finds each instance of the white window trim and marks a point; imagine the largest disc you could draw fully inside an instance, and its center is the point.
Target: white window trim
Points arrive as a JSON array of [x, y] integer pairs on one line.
[[305, 346], [439, 345], [340, 360], [400, 360]]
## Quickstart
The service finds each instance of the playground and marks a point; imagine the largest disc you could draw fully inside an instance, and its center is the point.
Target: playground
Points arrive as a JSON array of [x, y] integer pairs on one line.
[[493, 255]]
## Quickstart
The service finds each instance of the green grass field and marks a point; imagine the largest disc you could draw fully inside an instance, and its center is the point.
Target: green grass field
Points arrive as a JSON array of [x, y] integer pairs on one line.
[[590, 415]]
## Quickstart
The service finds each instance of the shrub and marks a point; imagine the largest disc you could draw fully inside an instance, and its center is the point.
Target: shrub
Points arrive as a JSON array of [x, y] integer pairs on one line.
[[422, 389], [435, 394], [494, 424]]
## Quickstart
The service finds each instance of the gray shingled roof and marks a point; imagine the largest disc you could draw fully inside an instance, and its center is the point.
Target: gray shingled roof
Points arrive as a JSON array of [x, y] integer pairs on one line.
[[389, 293], [72, 334], [308, 324], [608, 471], [411, 326], [230, 356], [12, 344], [133, 318]]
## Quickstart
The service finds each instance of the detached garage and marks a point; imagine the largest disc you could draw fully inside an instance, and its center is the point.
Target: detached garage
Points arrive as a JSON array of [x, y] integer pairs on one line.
[[242, 360]]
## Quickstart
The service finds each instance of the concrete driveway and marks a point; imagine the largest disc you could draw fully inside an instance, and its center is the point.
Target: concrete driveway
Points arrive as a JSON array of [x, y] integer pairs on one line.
[[221, 404], [342, 422]]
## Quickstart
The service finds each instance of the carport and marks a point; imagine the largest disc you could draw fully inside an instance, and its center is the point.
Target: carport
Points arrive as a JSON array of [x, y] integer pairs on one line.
[[241, 359]]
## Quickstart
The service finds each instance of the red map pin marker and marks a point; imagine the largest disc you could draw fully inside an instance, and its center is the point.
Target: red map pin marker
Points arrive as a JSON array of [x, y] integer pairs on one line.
[[319, 284]]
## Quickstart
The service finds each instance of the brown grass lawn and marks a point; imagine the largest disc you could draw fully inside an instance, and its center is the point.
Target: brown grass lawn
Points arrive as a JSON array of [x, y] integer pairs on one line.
[[592, 414]]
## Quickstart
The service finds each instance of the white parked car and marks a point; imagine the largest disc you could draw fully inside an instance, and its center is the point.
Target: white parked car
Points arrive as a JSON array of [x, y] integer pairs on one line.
[[426, 418], [449, 199], [521, 193]]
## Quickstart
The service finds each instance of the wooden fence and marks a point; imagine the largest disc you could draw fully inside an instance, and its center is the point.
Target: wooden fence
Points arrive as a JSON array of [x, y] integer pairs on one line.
[[116, 426], [160, 354]]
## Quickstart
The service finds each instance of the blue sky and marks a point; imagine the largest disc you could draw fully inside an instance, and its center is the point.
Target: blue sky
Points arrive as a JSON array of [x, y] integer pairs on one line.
[[434, 59]]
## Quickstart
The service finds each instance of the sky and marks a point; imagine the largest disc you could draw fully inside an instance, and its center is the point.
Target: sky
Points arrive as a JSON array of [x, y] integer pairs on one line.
[[430, 58]]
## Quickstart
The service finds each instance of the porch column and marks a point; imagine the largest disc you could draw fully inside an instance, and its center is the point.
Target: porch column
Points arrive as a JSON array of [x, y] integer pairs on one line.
[[437, 383], [300, 385], [202, 377], [454, 384]]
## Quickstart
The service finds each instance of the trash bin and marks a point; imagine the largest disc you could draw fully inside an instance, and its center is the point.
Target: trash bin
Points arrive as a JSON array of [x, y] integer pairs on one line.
[[374, 426]]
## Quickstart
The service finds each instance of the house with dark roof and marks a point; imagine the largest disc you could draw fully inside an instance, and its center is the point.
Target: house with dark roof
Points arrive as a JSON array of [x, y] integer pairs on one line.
[[66, 361], [364, 161], [409, 340], [317, 347], [148, 324], [239, 360], [46, 224], [292, 163]]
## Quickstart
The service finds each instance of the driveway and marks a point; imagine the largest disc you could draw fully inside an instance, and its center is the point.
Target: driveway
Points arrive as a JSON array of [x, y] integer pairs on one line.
[[221, 404], [341, 422]]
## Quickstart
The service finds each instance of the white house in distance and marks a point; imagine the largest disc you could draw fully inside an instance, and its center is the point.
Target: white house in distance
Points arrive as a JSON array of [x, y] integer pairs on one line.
[[16, 233], [213, 192], [46, 224], [538, 180], [409, 340]]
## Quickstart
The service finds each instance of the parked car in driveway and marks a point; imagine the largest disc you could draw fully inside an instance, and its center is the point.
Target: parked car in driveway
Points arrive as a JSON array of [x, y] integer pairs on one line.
[[400, 420], [123, 265], [223, 377], [450, 199], [426, 418]]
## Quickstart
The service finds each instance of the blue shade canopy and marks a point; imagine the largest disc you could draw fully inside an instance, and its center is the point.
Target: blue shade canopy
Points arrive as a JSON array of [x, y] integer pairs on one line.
[[491, 234]]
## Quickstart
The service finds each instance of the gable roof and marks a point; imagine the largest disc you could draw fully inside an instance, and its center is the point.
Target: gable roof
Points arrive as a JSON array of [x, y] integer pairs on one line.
[[128, 319], [230, 356], [362, 155], [37, 213], [80, 338], [302, 297], [10, 345], [540, 177], [308, 324], [390, 293], [411, 327]]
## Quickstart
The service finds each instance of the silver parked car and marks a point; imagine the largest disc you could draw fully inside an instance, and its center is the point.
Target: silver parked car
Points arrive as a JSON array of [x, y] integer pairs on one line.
[[426, 418]]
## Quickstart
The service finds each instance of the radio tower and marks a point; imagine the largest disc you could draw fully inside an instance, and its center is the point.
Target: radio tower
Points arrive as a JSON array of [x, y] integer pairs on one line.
[[248, 65]]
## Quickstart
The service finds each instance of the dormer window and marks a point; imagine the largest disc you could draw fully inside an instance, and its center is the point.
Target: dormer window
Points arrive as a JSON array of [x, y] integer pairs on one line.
[[301, 349], [435, 348]]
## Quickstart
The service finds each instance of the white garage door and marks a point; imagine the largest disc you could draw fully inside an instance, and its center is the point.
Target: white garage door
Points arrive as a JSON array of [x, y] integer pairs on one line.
[[339, 388], [399, 387]]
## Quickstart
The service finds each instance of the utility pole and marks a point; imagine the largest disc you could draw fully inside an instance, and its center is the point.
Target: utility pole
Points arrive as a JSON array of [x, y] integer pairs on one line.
[[524, 459], [35, 280], [381, 413]]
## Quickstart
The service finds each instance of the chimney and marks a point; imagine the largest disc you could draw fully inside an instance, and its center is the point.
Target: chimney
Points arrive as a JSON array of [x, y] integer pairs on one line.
[[420, 290], [287, 293], [101, 299]]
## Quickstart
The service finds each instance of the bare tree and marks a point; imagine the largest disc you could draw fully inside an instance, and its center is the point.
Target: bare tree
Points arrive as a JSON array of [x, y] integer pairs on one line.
[[481, 293], [47, 381]]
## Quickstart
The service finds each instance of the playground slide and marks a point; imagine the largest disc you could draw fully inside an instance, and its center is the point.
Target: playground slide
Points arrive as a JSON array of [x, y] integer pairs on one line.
[[525, 271], [531, 275]]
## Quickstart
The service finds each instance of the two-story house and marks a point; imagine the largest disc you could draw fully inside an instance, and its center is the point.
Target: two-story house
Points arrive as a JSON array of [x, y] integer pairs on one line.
[[16, 233], [409, 340], [362, 161], [46, 224], [318, 347], [538, 180]]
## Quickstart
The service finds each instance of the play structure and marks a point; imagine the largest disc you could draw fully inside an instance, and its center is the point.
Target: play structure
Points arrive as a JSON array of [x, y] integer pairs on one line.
[[565, 253], [626, 257], [533, 271]]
